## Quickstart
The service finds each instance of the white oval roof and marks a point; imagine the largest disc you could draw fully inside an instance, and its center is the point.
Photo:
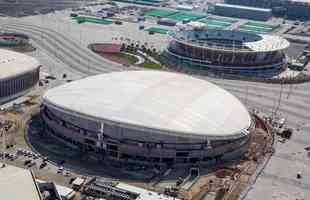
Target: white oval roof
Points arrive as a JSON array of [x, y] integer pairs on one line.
[[13, 63], [268, 43], [157, 100], [253, 42]]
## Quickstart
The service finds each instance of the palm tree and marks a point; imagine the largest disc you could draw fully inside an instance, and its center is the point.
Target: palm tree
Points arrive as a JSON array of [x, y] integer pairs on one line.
[[123, 47], [143, 48], [154, 51]]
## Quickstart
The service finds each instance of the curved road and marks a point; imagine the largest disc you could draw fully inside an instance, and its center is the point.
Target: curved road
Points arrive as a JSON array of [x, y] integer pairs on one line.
[[75, 56], [292, 100]]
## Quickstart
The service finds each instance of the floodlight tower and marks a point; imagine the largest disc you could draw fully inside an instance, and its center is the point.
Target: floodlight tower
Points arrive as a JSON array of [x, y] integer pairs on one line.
[[2, 133]]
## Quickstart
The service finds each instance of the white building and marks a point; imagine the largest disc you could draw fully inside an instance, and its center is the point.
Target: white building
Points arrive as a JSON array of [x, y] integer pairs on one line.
[[18, 184], [18, 74], [148, 116]]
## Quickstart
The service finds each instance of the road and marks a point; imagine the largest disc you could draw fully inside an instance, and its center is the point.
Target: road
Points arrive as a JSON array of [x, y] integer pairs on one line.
[[68, 51], [290, 101]]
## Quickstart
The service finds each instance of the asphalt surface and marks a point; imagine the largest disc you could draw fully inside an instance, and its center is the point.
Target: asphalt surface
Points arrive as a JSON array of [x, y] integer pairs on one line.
[[77, 57], [29, 7]]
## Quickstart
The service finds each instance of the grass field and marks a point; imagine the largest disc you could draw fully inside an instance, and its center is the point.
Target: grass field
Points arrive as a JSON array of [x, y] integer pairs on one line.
[[131, 59], [92, 20], [121, 58], [150, 65], [175, 15], [258, 27], [222, 20], [159, 13], [217, 23], [180, 16]]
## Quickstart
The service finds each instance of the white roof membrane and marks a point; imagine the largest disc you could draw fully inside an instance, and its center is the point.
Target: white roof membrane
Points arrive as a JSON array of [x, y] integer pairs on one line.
[[157, 100], [13, 63]]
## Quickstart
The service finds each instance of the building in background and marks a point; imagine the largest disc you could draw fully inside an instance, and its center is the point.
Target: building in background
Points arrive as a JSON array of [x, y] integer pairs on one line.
[[238, 11], [17, 183], [148, 117], [226, 52], [18, 74], [292, 8]]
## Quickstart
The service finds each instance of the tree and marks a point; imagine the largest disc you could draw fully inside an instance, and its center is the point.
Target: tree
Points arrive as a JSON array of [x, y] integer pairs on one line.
[[143, 48], [123, 47]]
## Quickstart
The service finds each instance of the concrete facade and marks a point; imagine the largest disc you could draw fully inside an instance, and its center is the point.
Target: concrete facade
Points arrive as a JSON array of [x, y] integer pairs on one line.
[[199, 136], [13, 87], [253, 13], [18, 74], [294, 8], [230, 52]]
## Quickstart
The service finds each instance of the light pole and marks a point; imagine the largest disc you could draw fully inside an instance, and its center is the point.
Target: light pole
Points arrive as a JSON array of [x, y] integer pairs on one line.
[[2, 132]]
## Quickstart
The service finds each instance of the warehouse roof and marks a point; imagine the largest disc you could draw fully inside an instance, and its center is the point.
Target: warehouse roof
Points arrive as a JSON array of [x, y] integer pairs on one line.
[[145, 194], [157, 100], [17, 183], [13, 63], [243, 7], [301, 1]]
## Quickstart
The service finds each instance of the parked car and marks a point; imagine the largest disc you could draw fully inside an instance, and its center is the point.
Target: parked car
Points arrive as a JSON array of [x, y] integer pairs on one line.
[[43, 165], [27, 162]]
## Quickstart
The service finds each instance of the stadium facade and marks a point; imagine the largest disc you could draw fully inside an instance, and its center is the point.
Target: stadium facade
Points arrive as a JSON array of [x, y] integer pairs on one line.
[[149, 117], [18, 74], [226, 52]]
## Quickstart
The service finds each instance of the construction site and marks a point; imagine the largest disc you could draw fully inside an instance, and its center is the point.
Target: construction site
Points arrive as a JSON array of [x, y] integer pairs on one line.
[[228, 180]]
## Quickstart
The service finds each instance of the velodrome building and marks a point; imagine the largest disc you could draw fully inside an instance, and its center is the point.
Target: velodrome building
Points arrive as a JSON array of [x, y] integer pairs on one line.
[[149, 117], [18, 74], [226, 52]]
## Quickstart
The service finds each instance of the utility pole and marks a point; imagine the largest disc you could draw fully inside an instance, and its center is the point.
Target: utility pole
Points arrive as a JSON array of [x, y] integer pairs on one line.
[[290, 91], [2, 132], [246, 96], [279, 101]]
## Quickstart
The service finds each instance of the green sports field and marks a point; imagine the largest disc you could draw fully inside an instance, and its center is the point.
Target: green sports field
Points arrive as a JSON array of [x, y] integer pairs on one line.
[[217, 23], [181, 16], [175, 15], [157, 30], [92, 20], [258, 27], [159, 13]]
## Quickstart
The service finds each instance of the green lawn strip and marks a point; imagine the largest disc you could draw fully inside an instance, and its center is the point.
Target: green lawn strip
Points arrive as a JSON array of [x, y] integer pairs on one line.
[[263, 25], [214, 27], [180, 16], [92, 20], [255, 29], [131, 59], [223, 20], [159, 13], [157, 30], [214, 23], [150, 65], [252, 31]]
